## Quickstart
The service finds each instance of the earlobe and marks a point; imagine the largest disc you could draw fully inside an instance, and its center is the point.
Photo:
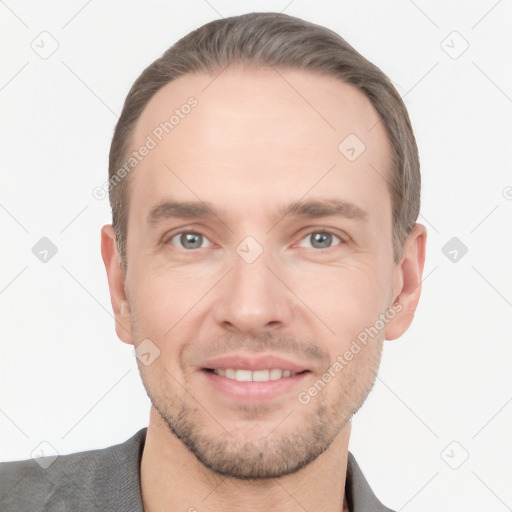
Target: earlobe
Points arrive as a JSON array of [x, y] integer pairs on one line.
[[409, 274], [116, 282]]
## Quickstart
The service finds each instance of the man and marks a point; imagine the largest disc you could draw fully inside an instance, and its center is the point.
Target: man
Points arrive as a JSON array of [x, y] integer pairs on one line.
[[265, 187]]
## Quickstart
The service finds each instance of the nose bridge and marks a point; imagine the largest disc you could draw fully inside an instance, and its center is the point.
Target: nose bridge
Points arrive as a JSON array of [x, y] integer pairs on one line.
[[252, 298]]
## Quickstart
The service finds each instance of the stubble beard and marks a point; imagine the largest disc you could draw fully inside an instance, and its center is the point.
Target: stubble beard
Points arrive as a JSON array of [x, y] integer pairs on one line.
[[268, 454], [263, 454]]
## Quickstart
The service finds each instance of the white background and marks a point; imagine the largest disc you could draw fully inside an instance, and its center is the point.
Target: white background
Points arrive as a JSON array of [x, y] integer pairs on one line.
[[65, 377]]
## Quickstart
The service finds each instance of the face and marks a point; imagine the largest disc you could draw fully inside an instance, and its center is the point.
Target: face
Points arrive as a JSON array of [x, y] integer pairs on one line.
[[258, 252]]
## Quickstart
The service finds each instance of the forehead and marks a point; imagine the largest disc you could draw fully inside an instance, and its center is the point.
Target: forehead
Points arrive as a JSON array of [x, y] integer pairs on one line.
[[268, 134]]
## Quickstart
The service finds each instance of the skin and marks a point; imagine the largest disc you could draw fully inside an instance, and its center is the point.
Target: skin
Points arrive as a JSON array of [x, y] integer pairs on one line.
[[251, 145]]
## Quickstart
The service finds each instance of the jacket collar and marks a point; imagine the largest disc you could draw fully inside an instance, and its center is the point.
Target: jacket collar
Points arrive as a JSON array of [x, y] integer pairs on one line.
[[360, 496]]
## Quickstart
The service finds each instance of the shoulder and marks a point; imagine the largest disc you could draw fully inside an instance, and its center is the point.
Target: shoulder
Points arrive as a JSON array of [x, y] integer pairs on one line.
[[359, 493], [91, 480]]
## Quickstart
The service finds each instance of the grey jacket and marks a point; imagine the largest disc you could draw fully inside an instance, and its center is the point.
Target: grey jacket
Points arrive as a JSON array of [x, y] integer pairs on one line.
[[109, 480]]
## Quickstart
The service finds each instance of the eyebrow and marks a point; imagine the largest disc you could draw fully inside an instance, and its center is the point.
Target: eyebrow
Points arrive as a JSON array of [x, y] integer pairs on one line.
[[303, 209]]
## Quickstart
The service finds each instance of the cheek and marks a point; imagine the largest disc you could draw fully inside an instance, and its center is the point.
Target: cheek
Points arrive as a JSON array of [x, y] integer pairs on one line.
[[165, 311], [163, 297], [347, 298]]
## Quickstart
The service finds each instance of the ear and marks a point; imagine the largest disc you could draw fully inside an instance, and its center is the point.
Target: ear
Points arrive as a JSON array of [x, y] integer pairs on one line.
[[116, 281], [407, 282]]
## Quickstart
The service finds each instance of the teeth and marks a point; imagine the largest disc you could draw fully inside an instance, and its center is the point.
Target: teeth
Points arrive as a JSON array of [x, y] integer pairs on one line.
[[275, 374], [261, 375], [243, 375], [256, 376]]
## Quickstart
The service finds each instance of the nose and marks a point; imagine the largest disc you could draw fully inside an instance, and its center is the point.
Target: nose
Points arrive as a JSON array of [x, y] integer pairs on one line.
[[251, 299]]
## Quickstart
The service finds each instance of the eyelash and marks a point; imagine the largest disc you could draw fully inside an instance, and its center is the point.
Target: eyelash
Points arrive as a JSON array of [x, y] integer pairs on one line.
[[309, 233]]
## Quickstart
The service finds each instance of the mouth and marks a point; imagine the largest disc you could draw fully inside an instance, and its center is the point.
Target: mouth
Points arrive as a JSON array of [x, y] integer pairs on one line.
[[245, 375], [255, 379]]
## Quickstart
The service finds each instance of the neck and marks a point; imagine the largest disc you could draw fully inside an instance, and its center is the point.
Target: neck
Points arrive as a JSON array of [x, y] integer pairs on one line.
[[172, 479]]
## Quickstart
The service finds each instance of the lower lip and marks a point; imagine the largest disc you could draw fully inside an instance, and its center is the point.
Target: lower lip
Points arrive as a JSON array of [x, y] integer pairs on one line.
[[254, 391]]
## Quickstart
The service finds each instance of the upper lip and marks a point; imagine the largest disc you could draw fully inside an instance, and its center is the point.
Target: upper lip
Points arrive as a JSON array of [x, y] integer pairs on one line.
[[255, 362]]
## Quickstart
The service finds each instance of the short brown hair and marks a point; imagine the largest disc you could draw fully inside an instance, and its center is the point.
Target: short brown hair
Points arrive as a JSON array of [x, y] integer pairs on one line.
[[281, 41]]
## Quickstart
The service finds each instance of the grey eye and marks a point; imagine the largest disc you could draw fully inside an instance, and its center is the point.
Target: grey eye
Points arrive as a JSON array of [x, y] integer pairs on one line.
[[189, 240], [320, 240]]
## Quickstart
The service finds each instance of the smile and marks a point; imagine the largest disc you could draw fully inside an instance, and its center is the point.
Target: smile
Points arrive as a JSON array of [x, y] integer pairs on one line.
[[253, 376]]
